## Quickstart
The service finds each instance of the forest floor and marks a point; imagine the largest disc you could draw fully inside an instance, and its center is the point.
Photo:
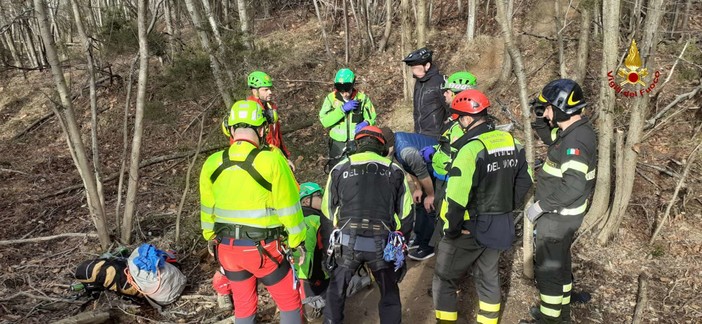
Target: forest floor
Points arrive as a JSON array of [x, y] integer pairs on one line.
[[36, 167]]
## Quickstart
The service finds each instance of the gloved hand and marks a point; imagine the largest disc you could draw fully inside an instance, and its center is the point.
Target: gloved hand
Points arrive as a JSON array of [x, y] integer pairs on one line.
[[349, 105], [211, 246], [539, 108], [427, 153], [361, 125], [534, 212]]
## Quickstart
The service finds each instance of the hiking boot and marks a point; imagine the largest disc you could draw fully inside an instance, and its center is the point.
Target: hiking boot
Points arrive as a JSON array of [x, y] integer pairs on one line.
[[421, 255], [535, 313], [224, 302]]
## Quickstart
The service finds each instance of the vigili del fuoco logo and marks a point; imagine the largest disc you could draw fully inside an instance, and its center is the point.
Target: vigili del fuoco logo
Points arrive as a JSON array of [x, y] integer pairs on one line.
[[630, 80]]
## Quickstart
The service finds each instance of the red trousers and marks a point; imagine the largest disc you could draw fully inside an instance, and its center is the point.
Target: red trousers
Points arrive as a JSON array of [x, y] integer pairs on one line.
[[247, 258], [220, 283]]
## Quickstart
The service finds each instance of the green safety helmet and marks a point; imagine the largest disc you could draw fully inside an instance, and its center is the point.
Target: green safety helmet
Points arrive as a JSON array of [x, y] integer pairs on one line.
[[244, 113], [309, 188], [258, 79], [460, 81], [345, 76]]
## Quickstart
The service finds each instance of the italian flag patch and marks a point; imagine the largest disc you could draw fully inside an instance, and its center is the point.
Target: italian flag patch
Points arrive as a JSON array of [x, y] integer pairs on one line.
[[573, 151]]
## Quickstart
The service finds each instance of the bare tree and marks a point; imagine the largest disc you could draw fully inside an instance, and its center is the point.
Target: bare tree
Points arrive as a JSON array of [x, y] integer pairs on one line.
[[244, 20], [421, 23], [388, 25], [513, 49], [626, 175], [559, 39], [506, 71], [194, 12], [132, 184], [605, 122], [168, 14], [218, 38], [346, 31], [583, 42], [470, 27], [64, 111], [321, 26], [88, 48], [406, 45]]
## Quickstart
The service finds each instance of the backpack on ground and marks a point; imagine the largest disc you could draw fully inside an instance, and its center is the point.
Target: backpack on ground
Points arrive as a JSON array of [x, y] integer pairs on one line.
[[157, 279], [106, 274]]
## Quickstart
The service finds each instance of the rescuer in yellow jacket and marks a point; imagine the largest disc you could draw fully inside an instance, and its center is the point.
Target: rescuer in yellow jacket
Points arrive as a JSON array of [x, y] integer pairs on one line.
[[249, 205]]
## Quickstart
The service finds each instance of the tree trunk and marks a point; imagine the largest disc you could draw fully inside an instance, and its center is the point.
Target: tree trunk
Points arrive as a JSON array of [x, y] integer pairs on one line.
[[244, 23], [70, 126], [503, 19], [346, 32], [559, 40], [87, 47], [194, 12], [169, 29], [388, 26], [626, 175], [470, 28], [218, 38], [583, 44], [421, 23], [29, 46], [133, 183], [321, 26], [361, 34], [605, 122], [598, 18], [366, 14], [506, 71], [686, 18], [406, 46]]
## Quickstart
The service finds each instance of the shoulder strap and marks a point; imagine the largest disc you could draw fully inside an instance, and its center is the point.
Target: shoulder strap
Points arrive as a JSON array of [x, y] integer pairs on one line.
[[246, 165]]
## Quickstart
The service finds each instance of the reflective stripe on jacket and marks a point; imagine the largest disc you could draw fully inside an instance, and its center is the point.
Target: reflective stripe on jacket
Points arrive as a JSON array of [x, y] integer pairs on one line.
[[333, 117], [567, 177], [236, 198]]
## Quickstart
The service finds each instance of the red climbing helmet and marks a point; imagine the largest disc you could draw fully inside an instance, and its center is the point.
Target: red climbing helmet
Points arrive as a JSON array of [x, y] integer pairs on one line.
[[371, 131], [469, 102]]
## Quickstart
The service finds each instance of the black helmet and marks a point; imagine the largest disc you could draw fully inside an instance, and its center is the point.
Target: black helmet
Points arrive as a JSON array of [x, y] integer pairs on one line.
[[564, 94], [419, 57]]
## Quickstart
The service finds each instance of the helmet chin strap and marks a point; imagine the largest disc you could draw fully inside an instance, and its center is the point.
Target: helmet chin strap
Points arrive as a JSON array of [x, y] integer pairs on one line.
[[475, 120]]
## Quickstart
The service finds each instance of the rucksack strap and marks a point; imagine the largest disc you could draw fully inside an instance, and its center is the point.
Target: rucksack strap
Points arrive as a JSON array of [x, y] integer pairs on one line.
[[246, 165]]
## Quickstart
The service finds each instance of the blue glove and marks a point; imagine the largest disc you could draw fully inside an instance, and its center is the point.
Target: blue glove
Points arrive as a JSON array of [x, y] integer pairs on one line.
[[360, 125], [427, 153], [349, 105]]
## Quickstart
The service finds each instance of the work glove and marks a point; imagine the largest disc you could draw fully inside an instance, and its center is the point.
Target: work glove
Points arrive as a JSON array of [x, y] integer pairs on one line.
[[427, 153], [534, 212], [360, 125], [212, 246], [349, 105]]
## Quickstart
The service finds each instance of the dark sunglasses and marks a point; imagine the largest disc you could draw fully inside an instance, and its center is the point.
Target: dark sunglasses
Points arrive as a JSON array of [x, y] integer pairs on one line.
[[343, 87]]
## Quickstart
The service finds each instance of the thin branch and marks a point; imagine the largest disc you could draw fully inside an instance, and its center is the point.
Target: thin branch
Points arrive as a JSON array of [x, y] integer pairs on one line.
[[679, 98], [47, 238], [672, 69], [187, 180], [44, 298], [681, 182], [13, 171]]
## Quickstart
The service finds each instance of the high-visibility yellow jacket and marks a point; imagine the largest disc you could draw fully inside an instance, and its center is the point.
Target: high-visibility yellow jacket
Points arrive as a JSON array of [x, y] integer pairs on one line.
[[342, 126], [236, 197]]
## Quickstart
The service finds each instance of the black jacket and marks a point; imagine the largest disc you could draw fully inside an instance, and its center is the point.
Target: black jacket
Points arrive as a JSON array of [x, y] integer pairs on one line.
[[367, 186], [567, 177], [430, 109]]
